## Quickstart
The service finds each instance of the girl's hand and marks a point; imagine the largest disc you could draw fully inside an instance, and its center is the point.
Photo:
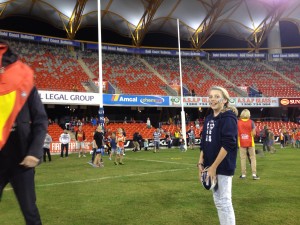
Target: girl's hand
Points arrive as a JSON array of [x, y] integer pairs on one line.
[[211, 172]]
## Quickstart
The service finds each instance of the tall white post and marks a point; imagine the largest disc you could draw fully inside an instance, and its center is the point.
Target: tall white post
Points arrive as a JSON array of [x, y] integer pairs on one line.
[[100, 82], [183, 127]]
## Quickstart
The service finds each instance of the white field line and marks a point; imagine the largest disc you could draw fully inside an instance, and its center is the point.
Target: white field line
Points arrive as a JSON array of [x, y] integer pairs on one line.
[[159, 161], [104, 178]]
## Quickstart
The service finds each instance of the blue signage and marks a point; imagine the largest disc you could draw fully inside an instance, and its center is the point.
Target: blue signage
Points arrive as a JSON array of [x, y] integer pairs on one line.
[[135, 100], [238, 55], [39, 38], [145, 51]]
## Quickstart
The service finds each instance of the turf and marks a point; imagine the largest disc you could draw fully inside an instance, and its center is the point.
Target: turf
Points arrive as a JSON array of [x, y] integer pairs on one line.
[[160, 188]]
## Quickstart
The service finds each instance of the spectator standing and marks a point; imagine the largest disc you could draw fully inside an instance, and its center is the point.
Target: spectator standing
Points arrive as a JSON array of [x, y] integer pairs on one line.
[[176, 137], [140, 141], [23, 130], [197, 123], [46, 147], [120, 147], [146, 144], [271, 142], [148, 123], [156, 140], [182, 143], [266, 139], [80, 138], [219, 151], [113, 145], [64, 139], [168, 139], [246, 133], [136, 144], [99, 140], [191, 134]]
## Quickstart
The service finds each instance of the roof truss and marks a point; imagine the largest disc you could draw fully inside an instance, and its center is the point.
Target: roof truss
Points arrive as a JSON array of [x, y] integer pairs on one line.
[[143, 25], [75, 19], [205, 29], [259, 35]]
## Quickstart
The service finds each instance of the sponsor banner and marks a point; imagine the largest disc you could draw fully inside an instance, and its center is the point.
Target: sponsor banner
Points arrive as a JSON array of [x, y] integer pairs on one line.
[[39, 38], [145, 51], [189, 101], [69, 98], [87, 98], [55, 147], [289, 102], [236, 101], [244, 102], [286, 55], [238, 55], [135, 100]]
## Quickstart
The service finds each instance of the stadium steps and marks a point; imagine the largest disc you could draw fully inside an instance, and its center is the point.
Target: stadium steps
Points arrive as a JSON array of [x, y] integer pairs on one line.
[[235, 89], [170, 91], [280, 74]]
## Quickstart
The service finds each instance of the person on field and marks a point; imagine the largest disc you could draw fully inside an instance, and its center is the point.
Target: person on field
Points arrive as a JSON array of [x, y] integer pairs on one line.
[[64, 139], [23, 128], [46, 147], [246, 134], [218, 151], [80, 138]]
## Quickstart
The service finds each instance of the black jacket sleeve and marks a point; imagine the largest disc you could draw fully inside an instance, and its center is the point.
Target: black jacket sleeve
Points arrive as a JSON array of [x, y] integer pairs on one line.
[[39, 124]]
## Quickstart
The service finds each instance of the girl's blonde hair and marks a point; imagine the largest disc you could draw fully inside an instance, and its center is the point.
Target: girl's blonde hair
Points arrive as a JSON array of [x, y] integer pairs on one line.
[[227, 97], [224, 93], [245, 114]]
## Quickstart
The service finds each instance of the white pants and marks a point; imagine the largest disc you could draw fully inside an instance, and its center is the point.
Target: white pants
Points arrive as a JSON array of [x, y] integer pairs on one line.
[[223, 201]]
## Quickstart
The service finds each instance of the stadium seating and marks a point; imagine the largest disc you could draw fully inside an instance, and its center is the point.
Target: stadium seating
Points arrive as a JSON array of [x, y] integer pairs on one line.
[[55, 68], [55, 131], [252, 73], [194, 75], [126, 73], [275, 126]]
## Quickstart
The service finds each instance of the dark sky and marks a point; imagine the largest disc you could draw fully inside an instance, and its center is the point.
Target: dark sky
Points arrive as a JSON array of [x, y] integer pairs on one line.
[[289, 35]]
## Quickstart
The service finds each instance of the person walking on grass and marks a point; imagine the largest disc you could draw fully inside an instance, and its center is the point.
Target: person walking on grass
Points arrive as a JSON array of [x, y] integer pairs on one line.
[[80, 138], [46, 147], [113, 145], [156, 140], [246, 133], [218, 151], [120, 147], [98, 138]]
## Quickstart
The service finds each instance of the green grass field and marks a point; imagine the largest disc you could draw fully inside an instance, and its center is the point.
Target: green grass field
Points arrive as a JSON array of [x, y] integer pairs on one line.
[[161, 188]]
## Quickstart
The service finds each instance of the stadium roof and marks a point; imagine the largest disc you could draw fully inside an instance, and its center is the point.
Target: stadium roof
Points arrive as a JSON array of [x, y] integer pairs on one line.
[[249, 20]]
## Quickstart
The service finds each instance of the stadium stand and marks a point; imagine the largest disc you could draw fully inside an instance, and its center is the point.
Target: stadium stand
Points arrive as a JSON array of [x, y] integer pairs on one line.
[[275, 126], [55, 131], [195, 76], [127, 73], [252, 73], [55, 68]]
